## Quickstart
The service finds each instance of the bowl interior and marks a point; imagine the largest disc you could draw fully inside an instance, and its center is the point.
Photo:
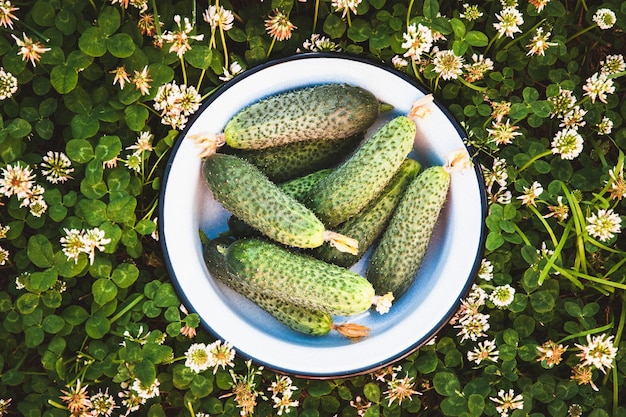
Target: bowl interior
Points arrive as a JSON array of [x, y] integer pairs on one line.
[[448, 269]]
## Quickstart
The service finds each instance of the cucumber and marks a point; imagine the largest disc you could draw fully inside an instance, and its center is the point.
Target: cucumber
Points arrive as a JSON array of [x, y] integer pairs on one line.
[[299, 187], [361, 177], [326, 111], [247, 193], [302, 320], [273, 270], [286, 162], [296, 188], [369, 225], [400, 252]]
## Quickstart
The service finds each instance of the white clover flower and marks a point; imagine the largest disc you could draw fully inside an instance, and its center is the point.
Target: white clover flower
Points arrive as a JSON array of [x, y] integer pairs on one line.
[[37, 206], [221, 355], [613, 64], [143, 143], [72, 244], [502, 296], [477, 69], [176, 103], [57, 167], [399, 389], [4, 230], [17, 180], [507, 401], [319, 43], [563, 102], [399, 62], [470, 12], [598, 86], [94, 239], [230, 72], [539, 4], [485, 272], [574, 118], [198, 357], [503, 133], [599, 352], [346, 5], [531, 194], [7, 17], [180, 38], [4, 255], [604, 224], [568, 143], [604, 18], [146, 392], [103, 403], [473, 326], [447, 64], [8, 84], [605, 127], [509, 20], [219, 17], [485, 351], [417, 40], [539, 43]]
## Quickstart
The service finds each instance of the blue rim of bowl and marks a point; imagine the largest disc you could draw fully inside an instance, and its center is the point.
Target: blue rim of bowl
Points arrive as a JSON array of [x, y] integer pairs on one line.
[[477, 261]]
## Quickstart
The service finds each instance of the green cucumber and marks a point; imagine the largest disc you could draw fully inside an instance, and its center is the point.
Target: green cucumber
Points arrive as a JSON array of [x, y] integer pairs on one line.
[[273, 270], [302, 320], [247, 193], [369, 225], [296, 188], [325, 111], [399, 254], [361, 177], [286, 162]]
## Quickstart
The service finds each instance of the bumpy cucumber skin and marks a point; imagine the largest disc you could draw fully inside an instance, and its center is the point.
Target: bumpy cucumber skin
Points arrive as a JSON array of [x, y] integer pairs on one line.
[[299, 187], [399, 254], [296, 188], [326, 111], [297, 278], [369, 225], [249, 195], [286, 162], [302, 320], [361, 177]]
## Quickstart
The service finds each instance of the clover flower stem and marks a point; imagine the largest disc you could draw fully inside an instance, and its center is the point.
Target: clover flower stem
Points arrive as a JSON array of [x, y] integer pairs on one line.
[[522, 235], [315, 14], [190, 408], [269, 50], [157, 23], [579, 221], [618, 337], [555, 241], [597, 280], [533, 159], [223, 38], [200, 79], [127, 308], [557, 253], [595, 330], [470, 85], [35, 31], [416, 72], [408, 13], [183, 69], [581, 32], [526, 34]]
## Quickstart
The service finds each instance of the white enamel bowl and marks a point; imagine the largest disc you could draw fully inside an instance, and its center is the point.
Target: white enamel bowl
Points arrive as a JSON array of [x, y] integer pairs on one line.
[[447, 272]]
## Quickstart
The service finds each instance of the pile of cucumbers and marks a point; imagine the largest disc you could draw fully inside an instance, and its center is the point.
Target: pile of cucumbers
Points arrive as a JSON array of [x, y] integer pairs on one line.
[[309, 193]]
